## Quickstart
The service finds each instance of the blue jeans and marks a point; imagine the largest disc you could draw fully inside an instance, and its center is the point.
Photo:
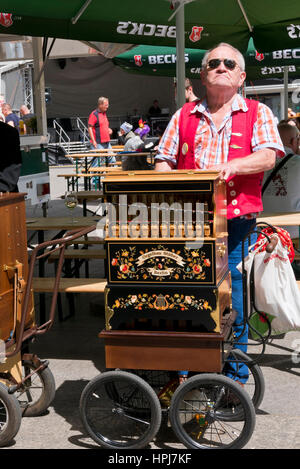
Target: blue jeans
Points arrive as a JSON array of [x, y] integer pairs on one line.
[[102, 161], [237, 230]]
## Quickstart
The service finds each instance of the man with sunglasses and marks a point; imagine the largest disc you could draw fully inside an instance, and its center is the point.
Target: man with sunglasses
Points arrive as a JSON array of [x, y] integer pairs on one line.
[[235, 136]]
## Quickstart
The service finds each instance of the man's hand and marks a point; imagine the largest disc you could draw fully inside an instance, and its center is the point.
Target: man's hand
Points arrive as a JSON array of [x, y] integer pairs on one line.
[[163, 166], [260, 160], [226, 170]]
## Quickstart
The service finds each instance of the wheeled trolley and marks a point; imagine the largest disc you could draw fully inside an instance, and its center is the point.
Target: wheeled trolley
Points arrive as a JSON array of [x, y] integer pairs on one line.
[[168, 317], [27, 385]]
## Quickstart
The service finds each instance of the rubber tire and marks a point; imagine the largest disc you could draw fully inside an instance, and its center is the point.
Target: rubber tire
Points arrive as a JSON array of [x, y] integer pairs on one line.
[[40, 406], [217, 380], [108, 376], [14, 416], [258, 376]]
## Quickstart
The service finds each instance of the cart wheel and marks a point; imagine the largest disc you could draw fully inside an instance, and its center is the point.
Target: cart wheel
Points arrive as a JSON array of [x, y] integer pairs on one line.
[[255, 386], [197, 413], [120, 410], [10, 416], [38, 391]]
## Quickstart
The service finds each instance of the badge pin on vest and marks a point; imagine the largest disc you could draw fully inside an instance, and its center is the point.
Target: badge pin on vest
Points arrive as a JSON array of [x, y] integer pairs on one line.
[[185, 148]]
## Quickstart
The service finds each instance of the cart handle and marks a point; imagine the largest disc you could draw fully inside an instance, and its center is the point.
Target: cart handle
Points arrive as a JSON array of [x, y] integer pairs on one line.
[[61, 242], [271, 245]]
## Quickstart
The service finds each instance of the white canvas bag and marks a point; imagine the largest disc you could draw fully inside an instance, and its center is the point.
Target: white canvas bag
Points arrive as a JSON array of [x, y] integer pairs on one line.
[[275, 286]]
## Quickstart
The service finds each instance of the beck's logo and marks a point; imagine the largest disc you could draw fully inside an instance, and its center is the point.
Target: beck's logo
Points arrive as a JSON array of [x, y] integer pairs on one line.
[[259, 56], [6, 19], [196, 33], [138, 60]]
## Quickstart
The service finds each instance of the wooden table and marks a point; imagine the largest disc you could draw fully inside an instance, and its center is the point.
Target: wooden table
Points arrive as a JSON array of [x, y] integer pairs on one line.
[[280, 219], [95, 153], [61, 225], [72, 178], [105, 169]]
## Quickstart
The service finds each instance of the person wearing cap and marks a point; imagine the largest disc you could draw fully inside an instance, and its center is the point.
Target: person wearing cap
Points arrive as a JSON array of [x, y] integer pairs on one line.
[[125, 131], [134, 142], [237, 137]]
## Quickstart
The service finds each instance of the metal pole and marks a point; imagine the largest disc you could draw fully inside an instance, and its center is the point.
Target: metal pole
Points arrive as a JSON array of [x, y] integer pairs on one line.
[[286, 90], [39, 86], [180, 50]]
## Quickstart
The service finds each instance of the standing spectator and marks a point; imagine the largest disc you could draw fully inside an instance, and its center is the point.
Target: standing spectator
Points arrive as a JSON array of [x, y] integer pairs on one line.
[[30, 125], [11, 159], [10, 117], [99, 130]]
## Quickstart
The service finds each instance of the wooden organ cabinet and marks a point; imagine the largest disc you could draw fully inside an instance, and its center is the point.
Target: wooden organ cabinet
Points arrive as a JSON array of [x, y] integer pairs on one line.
[[168, 284], [13, 274]]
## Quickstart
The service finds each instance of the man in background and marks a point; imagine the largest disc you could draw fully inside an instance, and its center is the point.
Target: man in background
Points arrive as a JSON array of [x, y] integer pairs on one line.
[[99, 130], [154, 110], [29, 119], [281, 185], [11, 159], [189, 92], [10, 117]]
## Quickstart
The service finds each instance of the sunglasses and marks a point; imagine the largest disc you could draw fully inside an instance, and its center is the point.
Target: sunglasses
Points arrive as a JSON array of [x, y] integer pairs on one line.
[[229, 63]]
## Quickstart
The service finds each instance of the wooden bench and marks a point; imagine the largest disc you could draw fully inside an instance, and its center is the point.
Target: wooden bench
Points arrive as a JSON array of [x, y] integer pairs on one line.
[[84, 254], [89, 240], [69, 285], [87, 195]]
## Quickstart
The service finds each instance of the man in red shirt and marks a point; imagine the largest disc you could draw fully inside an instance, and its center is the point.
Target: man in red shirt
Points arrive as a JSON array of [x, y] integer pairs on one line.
[[99, 130]]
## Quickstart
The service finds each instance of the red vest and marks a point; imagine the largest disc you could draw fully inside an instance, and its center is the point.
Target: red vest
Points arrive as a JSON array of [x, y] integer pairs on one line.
[[101, 127], [243, 192]]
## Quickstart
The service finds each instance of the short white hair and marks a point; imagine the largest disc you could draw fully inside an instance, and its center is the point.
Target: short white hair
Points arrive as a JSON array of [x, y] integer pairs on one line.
[[240, 57], [102, 99]]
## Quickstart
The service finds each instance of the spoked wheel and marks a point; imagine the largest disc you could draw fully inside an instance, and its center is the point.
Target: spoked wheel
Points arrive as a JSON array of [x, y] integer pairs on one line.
[[202, 413], [10, 416], [120, 410], [37, 392], [255, 385]]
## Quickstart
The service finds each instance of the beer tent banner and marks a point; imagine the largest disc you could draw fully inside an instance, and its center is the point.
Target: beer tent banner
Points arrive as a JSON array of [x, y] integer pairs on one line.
[[161, 61], [272, 24]]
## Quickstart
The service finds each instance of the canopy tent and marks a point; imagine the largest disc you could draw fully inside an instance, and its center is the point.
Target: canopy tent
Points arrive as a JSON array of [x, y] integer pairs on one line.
[[161, 61], [272, 24], [184, 23]]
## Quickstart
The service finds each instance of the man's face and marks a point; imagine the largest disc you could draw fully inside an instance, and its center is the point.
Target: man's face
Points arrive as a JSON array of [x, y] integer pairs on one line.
[[103, 106], [295, 140], [5, 110], [222, 77]]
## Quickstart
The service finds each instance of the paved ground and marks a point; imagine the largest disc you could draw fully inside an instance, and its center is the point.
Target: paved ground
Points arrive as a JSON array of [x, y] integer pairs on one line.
[[76, 355]]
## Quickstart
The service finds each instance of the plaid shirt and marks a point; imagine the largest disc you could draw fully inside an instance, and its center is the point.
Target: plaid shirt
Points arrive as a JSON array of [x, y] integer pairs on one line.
[[212, 144]]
